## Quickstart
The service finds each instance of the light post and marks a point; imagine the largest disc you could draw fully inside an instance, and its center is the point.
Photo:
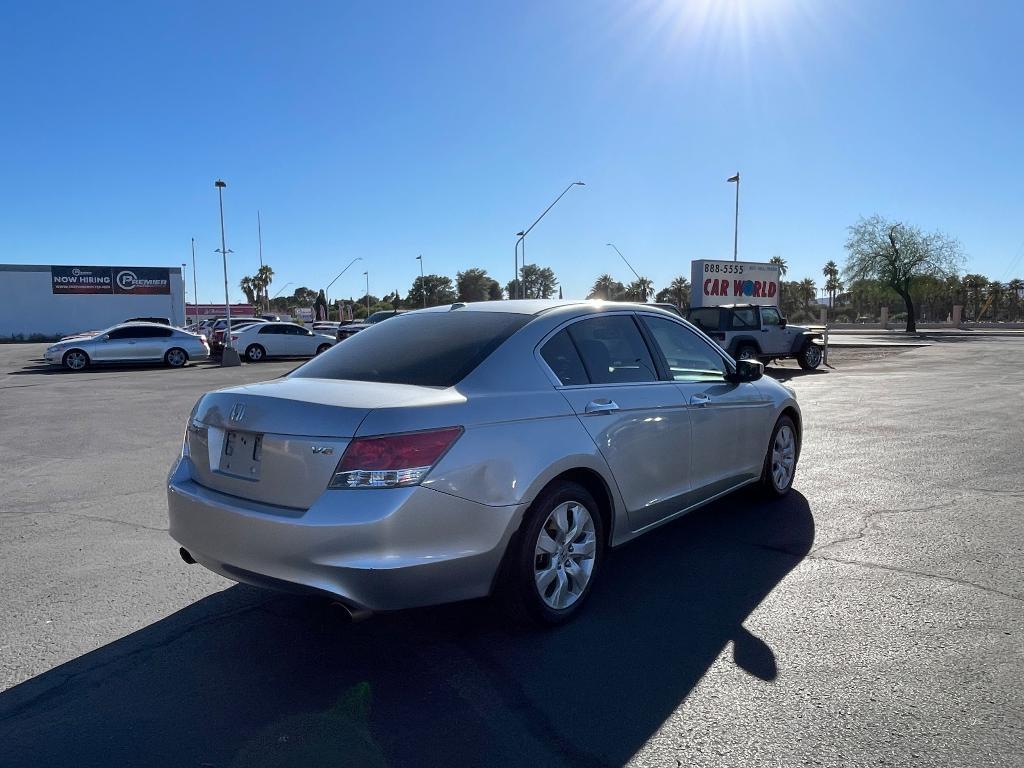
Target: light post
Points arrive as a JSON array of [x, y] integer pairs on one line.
[[423, 288], [367, 276], [229, 357], [195, 280], [624, 259], [184, 289], [522, 235], [736, 224], [328, 288]]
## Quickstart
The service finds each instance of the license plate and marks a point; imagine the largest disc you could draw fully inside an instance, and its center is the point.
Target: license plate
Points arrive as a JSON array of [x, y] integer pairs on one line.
[[242, 455]]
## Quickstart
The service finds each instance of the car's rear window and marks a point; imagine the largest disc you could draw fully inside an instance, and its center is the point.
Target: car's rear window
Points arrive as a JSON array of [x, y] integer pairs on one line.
[[430, 349], [705, 319]]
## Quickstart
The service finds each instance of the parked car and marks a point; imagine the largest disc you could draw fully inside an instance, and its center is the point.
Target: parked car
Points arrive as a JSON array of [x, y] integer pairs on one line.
[[259, 341], [157, 320], [326, 325], [351, 329], [486, 448], [752, 332], [217, 335], [129, 343]]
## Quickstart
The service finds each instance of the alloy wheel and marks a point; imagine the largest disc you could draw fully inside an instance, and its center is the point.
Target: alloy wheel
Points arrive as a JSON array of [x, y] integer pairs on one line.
[[176, 358], [564, 555], [76, 360], [783, 457]]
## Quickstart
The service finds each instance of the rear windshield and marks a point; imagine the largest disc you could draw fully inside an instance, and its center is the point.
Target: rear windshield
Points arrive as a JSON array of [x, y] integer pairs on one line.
[[430, 349], [705, 319]]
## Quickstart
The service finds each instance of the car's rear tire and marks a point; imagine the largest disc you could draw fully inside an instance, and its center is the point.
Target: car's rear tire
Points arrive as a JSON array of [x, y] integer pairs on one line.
[[810, 356], [746, 352], [779, 468], [555, 556], [75, 360], [176, 358], [322, 348], [254, 353]]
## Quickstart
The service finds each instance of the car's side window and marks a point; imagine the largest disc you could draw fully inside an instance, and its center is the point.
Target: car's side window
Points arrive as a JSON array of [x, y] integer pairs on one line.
[[770, 316], [687, 356], [123, 333], [744, 318], [270, 329], [162, 333], [561, 356], [613, 351], [707, 319]]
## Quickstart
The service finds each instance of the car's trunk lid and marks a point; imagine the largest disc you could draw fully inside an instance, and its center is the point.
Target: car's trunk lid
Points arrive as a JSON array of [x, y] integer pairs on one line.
[[278, 442]]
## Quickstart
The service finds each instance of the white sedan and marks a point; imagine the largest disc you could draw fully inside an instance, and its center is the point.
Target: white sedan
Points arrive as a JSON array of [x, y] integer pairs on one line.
[[262, 340]]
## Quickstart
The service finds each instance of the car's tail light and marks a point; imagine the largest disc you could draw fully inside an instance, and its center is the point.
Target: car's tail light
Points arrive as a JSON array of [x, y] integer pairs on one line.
[[392, 461]]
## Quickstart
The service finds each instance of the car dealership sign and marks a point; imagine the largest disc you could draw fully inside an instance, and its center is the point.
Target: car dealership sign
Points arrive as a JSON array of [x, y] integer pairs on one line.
[[733, 282], [108, 280]]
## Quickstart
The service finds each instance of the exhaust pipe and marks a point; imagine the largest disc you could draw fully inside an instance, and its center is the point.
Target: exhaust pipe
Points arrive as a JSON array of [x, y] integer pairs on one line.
[[186, 556], [354, 615]]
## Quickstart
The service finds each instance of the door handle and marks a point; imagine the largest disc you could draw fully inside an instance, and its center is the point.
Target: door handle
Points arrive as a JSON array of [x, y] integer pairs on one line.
[[600, 407], [699, 400]]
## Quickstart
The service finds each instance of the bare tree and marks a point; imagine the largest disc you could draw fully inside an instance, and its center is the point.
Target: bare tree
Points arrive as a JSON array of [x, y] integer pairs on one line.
[[895, 254]]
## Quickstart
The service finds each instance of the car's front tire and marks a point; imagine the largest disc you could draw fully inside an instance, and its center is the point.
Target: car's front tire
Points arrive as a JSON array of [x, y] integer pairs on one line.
[[254, 353], [75, 360], [746, 352], [780, 462], [322, 348], [556, 556], [810, 356]]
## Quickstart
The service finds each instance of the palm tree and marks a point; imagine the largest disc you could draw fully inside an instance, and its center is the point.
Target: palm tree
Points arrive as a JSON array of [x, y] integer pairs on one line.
[[248, 286], [1016, 289], [781, 263], [807, 291], [974, 288], [264, 277], [640, 290], [678, 293], [832, 282], [606, 287]]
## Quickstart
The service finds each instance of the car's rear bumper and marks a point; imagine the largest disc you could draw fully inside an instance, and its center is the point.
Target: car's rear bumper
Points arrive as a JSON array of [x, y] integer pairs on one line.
[[380, 549]]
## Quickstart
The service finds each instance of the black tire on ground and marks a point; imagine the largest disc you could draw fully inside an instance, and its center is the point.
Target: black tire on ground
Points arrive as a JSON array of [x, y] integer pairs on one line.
[[768, 483], [517, 590], [75, 360], [322, 348], [810, 356], [176, 357], [254, 353], [746, 352]]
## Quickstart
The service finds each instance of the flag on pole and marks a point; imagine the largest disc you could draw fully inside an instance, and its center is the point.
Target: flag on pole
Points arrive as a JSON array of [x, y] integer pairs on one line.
[[735, 178]]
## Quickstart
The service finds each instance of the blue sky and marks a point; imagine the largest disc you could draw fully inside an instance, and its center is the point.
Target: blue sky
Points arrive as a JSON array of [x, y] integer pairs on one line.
[[385, 130]]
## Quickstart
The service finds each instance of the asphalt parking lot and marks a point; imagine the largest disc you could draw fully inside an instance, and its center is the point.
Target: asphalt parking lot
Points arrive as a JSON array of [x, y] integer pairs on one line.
[[873, 617]]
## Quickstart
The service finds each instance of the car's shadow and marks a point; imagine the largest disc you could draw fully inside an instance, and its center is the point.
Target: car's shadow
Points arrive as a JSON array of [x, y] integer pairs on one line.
[[786, 374], [253, 679], [40, 368]]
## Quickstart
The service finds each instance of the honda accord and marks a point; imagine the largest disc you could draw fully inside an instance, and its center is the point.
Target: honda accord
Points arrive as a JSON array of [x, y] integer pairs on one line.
[[498, 448]]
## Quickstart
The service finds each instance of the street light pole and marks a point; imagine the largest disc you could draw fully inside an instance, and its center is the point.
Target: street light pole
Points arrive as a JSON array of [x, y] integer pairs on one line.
[[328, 288], [736, 224], [624, 259], [423, 288], [195, 280], [367, 275], [522, 235], [259, 234], [229, 356]]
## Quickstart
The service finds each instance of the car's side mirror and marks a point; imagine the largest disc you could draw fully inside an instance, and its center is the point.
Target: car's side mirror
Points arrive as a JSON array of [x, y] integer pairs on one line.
[[782, 322], [746, 370], [104, 337]]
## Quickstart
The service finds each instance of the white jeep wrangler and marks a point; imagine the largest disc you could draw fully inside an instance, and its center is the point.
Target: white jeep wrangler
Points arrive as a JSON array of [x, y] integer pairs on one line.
[[752, 332]]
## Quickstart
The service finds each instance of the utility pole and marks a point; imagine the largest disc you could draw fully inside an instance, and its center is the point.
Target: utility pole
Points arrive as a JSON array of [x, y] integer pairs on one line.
[[736, 224], [229, 357], [423, 287], [367, 276], [195, 281]]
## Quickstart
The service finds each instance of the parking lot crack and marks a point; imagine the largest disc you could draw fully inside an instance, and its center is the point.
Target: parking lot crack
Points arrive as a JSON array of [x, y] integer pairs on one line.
[[868, 520], [920, 574]]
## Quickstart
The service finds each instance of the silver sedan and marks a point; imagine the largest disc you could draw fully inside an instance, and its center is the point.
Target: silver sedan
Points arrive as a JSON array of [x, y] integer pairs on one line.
[[129, 343], [494, 448]]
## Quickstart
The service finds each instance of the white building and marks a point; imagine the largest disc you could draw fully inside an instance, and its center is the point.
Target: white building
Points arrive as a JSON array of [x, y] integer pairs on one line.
[[58, 299]]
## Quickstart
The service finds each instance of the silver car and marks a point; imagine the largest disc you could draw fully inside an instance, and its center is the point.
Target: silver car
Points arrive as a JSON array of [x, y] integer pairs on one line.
[[492, 448], [129, 343]]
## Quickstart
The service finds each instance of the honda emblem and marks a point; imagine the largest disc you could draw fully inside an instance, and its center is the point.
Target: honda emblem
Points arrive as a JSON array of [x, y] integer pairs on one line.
[[238, 412]]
